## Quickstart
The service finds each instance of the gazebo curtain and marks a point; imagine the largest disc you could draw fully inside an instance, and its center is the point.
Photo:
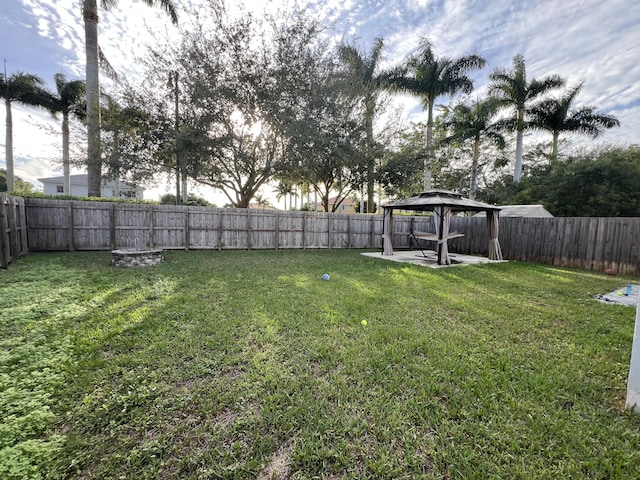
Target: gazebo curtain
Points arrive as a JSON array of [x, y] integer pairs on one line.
[[493, 225], [442, 217], [387, 232]]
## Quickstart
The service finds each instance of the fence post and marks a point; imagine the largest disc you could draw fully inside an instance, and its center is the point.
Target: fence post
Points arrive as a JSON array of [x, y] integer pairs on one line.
[[304, 230], [372, 231], [24, 241], [187, 234], [14, 246], [70, 225], [220, 225], [248, 229], [112, 226], [277, 231], [4, 227], [152, 240]]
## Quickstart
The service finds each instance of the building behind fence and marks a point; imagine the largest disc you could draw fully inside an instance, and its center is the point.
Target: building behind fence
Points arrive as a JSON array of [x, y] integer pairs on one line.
[[588, 243]]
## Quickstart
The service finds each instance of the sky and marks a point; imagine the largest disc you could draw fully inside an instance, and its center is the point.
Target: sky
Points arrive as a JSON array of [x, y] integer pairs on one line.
[[592, 41]]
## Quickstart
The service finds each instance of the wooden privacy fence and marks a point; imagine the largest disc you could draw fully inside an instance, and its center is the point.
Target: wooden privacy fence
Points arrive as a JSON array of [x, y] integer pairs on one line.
[[589, 243], [79, 225], [13, 229]]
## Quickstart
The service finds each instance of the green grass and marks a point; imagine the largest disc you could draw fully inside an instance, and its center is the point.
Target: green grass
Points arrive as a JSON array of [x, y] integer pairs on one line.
[[233, 364]]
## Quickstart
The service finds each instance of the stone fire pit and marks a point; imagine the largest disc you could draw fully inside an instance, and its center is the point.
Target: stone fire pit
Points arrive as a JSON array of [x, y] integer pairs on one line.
[[134, 257]]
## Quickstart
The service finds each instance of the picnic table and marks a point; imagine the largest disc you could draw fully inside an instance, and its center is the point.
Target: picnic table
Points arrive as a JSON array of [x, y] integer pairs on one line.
[[432, 237]]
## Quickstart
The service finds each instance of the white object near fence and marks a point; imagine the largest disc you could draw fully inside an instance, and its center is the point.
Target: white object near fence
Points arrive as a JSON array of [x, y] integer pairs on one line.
[[633, 385]]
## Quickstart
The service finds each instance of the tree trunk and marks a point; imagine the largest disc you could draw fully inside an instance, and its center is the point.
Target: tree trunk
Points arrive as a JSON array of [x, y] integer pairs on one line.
[[428, 161], [185, 193], [65, 153], [517, 172], [371, 161], [9, 147], [178, 195], [474, 170], [180, 198], [94, 154], [554, 147]]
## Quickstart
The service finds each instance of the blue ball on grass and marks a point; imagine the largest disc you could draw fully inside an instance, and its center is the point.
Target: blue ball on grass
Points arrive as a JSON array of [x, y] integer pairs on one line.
[[325, 276]]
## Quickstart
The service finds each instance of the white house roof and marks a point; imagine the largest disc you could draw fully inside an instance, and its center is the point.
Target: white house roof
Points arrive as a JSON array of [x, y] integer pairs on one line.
[[83, 179], [532, 211], [75, 179]]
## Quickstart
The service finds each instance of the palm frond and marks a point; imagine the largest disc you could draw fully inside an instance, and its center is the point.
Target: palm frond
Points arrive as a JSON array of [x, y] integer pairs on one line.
[[106, 66], [169, 6]]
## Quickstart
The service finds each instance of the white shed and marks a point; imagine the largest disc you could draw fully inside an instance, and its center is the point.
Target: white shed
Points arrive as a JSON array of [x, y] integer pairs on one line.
[[532, 211]]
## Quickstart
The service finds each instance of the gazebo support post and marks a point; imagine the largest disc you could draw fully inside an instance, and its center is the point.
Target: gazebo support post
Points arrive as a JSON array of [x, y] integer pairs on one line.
[[440, 235]]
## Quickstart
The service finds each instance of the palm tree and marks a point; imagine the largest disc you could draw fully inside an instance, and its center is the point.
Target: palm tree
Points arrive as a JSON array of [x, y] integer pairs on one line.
[[23, 88], [555, 115], [69, 102], [475, 122], [512, 88], [282, 190], [429, 78], [261, 201], [90, 15], [363, 67]]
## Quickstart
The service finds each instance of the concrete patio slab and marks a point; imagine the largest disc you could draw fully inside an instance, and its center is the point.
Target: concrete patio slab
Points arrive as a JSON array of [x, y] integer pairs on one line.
[[430, 258], [620, 296]]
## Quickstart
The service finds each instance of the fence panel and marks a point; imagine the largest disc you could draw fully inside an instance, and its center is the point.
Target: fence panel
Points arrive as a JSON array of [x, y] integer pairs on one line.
[[204, 228], [291, 229], [263, 229]]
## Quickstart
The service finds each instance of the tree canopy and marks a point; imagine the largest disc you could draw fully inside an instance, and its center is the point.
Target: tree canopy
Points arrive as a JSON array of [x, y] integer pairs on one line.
[[514, 90], [242, 102], [596, 184]]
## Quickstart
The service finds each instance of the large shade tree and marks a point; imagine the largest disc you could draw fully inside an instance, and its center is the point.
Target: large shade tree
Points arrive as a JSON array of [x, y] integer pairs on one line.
[[364, 68], [513, 89], [475, 122], [69, 101], [430, 77], [557, 116], [90, 15], [22, 88]]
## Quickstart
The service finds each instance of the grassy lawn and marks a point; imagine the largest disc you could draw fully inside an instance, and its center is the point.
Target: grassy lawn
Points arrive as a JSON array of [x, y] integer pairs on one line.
[[243, 365]]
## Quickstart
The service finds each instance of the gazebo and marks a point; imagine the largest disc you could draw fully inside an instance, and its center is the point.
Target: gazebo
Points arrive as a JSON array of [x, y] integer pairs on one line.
[[442, 203]]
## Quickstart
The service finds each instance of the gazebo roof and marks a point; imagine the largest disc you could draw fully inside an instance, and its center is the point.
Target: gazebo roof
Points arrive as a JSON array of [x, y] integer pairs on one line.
[[427, 201]]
